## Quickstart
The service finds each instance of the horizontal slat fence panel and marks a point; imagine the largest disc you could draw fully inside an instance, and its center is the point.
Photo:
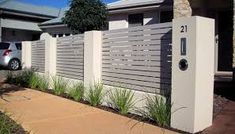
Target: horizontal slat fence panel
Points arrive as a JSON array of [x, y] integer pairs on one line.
[[38, 55], [70, 57], [138, 58]]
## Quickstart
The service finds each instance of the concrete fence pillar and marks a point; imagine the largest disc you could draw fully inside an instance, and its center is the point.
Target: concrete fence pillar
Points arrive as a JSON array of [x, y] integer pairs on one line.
[[50, 53], [192, 73], [26, 54], [92, 57]]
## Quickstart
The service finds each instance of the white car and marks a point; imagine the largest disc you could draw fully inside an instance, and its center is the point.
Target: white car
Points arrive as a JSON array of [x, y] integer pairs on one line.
[[10, 55]]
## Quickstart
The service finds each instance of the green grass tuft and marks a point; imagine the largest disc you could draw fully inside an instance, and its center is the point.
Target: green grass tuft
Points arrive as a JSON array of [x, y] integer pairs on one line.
[[34, 81], [39, 82], [21, 78], [159, 110], [77, 91], [10, 77], [8, 126], [43, 83], [59, 85], [122, 100], [95, 94]]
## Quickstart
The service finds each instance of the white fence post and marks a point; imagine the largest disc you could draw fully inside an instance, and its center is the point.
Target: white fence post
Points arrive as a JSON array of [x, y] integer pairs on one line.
[[92, 57], [50, 54], [192, 73], [26, 54]]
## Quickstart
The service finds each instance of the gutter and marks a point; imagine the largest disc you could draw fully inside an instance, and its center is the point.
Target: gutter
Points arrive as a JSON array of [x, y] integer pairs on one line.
[[162, 5], [10, 11], [52, 25]]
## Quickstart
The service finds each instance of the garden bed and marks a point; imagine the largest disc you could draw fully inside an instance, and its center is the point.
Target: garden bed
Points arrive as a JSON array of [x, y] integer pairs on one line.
[[158, 110], [9, 126]]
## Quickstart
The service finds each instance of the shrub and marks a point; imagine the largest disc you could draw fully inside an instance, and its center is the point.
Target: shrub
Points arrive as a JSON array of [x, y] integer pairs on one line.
[[59, 85], [34, 81], [43, 83], [159, 110], [93, 14], [10, 77], [77, 91], [122, 100], [38, 81], [24, 77], [21, 78], [95, 94]]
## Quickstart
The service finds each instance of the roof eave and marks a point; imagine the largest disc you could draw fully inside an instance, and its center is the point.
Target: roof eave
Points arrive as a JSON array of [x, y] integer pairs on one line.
[[16, 12], [52, 25], [140, 7]]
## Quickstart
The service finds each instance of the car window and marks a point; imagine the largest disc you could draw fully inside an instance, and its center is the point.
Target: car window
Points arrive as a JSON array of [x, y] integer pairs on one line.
[[18, 46], [4, 45]]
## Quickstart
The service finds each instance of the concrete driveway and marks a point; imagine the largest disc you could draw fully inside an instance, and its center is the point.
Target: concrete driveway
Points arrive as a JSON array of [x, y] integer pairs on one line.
[[42, 113]]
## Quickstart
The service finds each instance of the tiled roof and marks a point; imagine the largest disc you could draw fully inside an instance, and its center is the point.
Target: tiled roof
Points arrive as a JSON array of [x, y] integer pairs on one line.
[[130, 3], [14, 5], [114, 5], [57, 20]]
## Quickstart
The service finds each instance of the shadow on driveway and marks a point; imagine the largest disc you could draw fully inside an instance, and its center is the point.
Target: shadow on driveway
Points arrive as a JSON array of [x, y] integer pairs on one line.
[[224, 121]]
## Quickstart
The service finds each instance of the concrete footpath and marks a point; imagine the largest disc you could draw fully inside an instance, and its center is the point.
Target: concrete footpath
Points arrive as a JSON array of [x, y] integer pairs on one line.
[[42, 113]]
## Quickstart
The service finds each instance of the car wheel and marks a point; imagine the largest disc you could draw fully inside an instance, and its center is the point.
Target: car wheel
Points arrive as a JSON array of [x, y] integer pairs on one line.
[[14, 64]]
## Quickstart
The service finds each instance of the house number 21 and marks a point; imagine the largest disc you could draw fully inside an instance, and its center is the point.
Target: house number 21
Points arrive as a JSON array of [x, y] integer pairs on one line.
[[184, 29]]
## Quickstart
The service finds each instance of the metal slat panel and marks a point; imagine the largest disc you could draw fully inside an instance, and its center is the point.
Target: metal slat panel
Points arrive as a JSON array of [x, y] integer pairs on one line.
[[61, 53], [70, 57], [70, 60], [151, 42], [70, 43], [141, 32], [137, 63], [38, 55], [68, 63], [139, 47], [71, 76], [73, 73], [134, 82], [135, 68], [154, 26], [159, 74], [139, 38], [77, 70], [139, 57], [139, 78], [137, 88]]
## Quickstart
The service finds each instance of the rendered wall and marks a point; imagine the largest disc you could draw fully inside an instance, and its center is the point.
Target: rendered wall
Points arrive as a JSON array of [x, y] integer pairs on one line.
[[119, 21], [192, 88]]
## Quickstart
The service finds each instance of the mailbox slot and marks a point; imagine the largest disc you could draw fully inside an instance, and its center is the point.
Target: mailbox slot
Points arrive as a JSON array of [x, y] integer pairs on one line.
[[183, 65]]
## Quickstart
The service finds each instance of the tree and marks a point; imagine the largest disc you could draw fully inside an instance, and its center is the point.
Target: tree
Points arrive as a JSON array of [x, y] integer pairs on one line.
[[86, 15]]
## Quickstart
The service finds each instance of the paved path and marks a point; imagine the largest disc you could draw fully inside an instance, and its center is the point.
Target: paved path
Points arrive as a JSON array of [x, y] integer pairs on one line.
[[224, 123], [42, 113]]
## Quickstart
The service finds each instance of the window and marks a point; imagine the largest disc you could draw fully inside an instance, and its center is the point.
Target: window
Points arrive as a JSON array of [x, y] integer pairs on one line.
[[166, 16], [135, 20], [18, 46], [4, 45]]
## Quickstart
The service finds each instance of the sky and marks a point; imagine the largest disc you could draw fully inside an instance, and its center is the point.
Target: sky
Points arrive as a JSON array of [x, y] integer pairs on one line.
[[54, 3]]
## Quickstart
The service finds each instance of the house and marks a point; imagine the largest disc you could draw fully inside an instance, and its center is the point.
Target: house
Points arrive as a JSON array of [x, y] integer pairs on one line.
[[122, 14], [55, 26], [19, 21], [130, 13]]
